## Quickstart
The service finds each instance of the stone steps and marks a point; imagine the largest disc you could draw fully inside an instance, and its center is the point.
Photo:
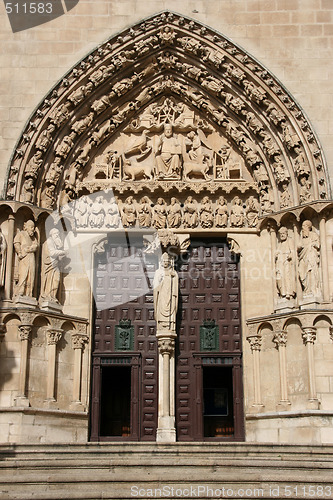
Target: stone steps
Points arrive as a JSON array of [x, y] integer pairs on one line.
[[109, 471]]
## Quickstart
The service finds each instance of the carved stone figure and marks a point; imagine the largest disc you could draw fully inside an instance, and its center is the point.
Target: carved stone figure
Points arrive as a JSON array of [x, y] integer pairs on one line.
[[28, 190], [47, 198], [81, 213], [66, 145], [301, 163], [198, 157], [304, 190], [26, 244], [190, 213], [252, 211], [112, 217], [34, 165], [237, 213], [54, 253], [206, 213], [160, 214], [168, 154], [144, 212], [45, 138], [79, 94], [221, 213], [285, 266], [3, 257], [285, 198], [53, 174], [128, 215], [174, 217], [266, 200], [97, 213], [308, 251], [81, 125], [166, 295]]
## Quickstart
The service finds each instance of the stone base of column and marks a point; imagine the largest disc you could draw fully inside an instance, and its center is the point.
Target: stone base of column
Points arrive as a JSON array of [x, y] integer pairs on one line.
[[313, 404], [77, 406], [166, 432], [283, 406], [253, 409], [21, 301], [21, 401], [51, 404]]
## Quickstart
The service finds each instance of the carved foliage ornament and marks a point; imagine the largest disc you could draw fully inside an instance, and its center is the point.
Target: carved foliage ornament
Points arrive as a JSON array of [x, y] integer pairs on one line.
[[212, 82]]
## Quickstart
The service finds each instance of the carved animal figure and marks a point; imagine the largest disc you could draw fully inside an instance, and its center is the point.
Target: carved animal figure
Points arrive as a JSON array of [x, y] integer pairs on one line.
[[132, 170], [196, 169]]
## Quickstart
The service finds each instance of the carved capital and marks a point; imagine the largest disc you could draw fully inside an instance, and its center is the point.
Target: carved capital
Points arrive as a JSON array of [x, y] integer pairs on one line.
[[280, 338], [255, 342], [79, 340], [166, 345], [24, 331], [53, 336], [309, 335]]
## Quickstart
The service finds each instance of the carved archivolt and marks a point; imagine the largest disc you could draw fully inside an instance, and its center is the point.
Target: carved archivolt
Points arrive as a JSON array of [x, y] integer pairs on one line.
[[170, 106]]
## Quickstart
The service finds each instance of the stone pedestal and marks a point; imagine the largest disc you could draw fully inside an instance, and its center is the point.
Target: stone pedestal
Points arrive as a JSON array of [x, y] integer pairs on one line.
[[166, 430]]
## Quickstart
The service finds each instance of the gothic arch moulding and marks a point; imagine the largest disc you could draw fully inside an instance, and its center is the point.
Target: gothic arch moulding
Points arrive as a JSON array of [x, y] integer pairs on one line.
[[226, 124]]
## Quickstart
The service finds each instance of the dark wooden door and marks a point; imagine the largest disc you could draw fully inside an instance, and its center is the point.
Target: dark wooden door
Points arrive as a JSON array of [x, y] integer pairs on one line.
[[124, 335], [209, 336]]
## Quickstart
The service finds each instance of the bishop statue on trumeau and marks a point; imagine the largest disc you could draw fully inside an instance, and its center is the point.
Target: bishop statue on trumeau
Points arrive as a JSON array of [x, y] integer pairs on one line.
[[166, 295]]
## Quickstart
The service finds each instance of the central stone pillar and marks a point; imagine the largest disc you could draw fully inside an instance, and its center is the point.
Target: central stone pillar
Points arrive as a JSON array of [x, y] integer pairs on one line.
[[166, 431]]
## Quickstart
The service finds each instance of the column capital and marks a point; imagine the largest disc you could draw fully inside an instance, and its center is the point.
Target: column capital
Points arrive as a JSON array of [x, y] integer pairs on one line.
[[24, 332], [79, 340], [53, 336], [166, 345], [255, 342], [280, 338], [309, 334]]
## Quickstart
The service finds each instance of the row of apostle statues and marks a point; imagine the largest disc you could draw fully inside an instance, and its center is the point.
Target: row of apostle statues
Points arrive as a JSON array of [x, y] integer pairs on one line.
[[302, 259], [99, 213]]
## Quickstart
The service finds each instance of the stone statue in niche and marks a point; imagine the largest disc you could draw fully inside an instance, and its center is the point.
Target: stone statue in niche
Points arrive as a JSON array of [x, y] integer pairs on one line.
[[206, 213], [53, 174], [45, 138], [190, 213], [144, 212], [128, 215], [252, 211], [301, 163], [237, 213], [304, 190], [166, 295], [81, 125], [3, 258], [285, 266], [112, 217], [308, 250], [221, 212], [53, 255], [26, 244], [285, 198], [34, 165], [168, 154], [97, 213], [174, 217], [47, 198], [28, 190], [160, 214]]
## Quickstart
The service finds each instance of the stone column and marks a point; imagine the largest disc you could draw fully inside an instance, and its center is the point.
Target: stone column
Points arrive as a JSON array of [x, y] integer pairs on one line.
[[10, 253], [280, 339], [24, 335], [324, 261], [255, 344], [309, 337], [272, 234], [53, 337], [166, 430], [79, 340]]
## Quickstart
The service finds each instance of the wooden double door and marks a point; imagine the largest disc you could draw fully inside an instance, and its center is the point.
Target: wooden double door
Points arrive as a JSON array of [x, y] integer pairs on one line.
[[208, 391]]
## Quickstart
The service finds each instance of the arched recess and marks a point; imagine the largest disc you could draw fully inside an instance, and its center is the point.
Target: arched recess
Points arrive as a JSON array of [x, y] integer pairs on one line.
[[253, 136]]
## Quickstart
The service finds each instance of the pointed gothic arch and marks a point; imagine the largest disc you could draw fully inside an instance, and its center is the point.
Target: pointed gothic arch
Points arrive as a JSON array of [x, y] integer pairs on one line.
[[170, 57]]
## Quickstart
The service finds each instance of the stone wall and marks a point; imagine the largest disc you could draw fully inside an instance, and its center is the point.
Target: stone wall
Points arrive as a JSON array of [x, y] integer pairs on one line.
[[292, 38]]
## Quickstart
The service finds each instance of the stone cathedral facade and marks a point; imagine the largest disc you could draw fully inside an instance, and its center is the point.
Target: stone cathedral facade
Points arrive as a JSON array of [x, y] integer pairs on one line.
[[166, 251]]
